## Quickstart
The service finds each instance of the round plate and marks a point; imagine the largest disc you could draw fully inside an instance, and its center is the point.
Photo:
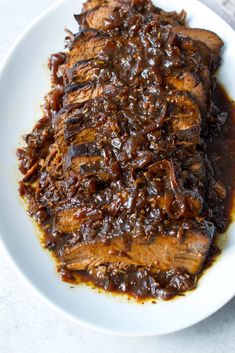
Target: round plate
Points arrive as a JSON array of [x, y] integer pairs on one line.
[[24, 80]]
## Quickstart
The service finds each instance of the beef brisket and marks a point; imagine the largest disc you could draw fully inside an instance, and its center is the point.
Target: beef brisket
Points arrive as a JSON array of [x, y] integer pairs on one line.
[[124, 175]]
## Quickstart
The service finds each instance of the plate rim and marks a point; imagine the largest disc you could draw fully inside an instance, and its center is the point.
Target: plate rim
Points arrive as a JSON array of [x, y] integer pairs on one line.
[[6, 251]]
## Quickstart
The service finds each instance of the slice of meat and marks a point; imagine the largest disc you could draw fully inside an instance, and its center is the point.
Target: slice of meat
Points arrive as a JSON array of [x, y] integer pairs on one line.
[[205, 53], [212, 40], [73, 128], [172, 18], [90, 4], [189, 82], [102, 17], [163, 253], [81, 93], [87, 45], [83, 72], [69, 220], [78, 155], [186, 82], [84, 136], [97, 18]]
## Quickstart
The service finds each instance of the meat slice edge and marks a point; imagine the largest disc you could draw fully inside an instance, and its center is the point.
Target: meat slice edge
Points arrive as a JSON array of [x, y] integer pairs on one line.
[[163, 254]]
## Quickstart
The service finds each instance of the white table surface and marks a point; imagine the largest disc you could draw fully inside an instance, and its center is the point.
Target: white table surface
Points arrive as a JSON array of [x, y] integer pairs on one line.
[[28, 325]]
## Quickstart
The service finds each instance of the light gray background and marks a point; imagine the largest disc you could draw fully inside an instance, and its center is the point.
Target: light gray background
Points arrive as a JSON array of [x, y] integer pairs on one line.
[[27, 325]]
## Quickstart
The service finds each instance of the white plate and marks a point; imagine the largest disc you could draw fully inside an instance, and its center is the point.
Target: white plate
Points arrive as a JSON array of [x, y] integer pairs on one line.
[[24, 81]]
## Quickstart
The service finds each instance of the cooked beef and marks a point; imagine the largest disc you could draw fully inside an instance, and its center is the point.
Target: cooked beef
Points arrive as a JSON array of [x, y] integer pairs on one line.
[[118, 172], [213, 42], [82, 72], [163, 253], [86, 45]]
